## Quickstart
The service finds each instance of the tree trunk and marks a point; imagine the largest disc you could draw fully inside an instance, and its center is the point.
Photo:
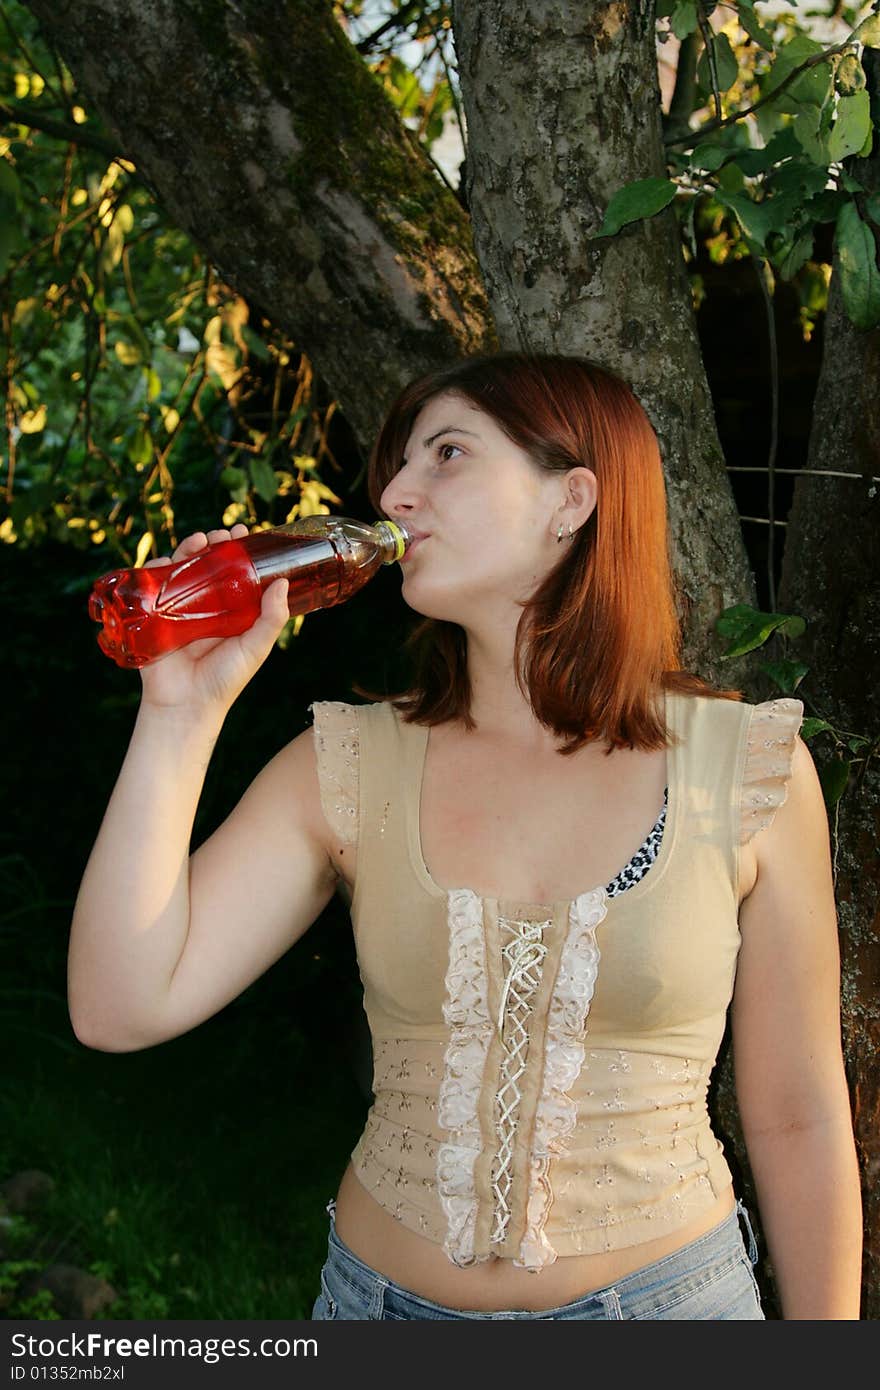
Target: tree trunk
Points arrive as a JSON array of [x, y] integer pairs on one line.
[[563, 107], [272, 144], [831, 576]]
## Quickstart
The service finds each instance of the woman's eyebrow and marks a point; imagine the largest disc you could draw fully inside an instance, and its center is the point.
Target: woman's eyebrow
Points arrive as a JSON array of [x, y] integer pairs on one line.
[[448, 429]]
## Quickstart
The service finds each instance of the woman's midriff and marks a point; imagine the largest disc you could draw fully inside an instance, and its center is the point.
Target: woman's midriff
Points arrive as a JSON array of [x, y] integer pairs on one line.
[[424, 1268]]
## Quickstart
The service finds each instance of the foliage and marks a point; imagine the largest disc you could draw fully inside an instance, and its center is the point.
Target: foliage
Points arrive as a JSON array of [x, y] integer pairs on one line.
[[775, 118], [137, 385], [848, 754], [143, 397]]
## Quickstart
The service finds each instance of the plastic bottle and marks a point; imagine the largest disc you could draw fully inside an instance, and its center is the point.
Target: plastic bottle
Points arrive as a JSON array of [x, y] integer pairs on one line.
[[147, 612]]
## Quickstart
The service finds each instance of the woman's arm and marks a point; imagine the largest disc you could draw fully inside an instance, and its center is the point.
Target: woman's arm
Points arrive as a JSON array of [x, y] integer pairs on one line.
[[161, 939], [790, 1081]]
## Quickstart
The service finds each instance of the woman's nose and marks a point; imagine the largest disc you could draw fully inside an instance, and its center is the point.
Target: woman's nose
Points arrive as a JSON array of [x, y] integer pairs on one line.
[[400, 495]]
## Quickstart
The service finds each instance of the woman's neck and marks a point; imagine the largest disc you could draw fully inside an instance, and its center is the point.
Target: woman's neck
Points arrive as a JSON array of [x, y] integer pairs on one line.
[[498, 705]]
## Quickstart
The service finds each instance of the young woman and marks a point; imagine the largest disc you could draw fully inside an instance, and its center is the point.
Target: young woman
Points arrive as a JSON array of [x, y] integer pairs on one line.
[[566, 859]]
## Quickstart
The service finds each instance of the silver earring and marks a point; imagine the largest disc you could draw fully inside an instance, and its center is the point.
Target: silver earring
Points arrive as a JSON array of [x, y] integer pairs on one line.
[[570, 532], [559, 534]]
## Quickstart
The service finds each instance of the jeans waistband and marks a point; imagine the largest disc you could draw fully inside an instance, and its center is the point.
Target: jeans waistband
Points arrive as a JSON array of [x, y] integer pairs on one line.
[[374, 1286]]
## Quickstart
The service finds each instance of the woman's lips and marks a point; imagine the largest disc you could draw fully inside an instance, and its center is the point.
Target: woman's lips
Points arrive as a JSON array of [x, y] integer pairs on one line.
[[417, 538]]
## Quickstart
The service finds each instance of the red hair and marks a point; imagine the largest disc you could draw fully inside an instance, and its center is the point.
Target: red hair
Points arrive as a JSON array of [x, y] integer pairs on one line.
[[600, 637]]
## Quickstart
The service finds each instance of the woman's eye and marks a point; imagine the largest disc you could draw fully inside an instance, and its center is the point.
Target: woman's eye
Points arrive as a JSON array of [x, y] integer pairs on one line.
[[441, 450]]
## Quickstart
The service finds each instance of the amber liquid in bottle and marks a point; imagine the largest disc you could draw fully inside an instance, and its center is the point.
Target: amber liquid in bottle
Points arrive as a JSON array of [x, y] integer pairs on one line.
[[146, 613]]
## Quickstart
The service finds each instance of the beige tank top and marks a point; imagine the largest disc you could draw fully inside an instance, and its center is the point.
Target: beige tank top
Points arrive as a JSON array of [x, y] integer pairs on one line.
[[540, 1070]]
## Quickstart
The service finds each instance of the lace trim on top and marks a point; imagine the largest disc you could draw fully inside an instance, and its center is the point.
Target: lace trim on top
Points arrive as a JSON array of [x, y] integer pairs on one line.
[[523, 953], [466, 1013], [337, 748], [471, 1028], [772, 733], [564, 1053]]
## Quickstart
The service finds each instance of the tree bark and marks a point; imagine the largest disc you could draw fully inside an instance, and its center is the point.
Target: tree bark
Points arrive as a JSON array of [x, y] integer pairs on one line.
[[272, 144], [563, 108], [831, 576]]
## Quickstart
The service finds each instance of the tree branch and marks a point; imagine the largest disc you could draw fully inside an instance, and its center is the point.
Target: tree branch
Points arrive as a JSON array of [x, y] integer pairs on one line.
[[60, 130], [277, 150], [395, 21], [688, 141]]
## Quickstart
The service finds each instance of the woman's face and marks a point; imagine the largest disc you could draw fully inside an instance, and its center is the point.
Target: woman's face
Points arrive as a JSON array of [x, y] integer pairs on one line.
[[484, 515]]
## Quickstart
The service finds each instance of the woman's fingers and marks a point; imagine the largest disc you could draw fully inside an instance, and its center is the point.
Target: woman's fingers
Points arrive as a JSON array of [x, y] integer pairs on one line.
[[198, 540], [274, 613]]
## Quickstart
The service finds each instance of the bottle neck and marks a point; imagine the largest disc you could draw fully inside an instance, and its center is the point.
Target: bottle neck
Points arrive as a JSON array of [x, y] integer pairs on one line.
[[394, 540]]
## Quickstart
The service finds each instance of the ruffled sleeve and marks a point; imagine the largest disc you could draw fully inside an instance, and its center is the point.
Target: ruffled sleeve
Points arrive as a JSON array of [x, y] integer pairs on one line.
[[336, 749], [770, 742]]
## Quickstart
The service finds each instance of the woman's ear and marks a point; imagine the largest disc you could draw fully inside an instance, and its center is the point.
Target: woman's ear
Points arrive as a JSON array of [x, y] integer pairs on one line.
[[578, 502]]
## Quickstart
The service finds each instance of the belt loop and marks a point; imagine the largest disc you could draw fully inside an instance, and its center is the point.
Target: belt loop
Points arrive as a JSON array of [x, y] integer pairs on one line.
[[376, 1312], [611, 1305], [753, 1247]]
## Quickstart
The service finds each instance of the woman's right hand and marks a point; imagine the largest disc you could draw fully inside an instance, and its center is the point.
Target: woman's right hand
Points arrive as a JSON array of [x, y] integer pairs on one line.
[[207, 676]]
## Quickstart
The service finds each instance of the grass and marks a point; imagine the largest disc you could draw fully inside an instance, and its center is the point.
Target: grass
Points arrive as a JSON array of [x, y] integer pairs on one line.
[[192, 1176]]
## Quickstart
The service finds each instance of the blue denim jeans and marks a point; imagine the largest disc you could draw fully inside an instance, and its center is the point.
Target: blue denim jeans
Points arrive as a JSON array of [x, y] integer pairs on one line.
[[711, 1279]]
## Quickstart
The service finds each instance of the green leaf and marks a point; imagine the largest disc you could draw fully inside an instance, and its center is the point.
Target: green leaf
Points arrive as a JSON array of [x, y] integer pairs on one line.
[[755, 219], [725, 65], [787, 674], [857, 265], [748, 628], [643, 198], [709, 157], [684, 18], [813, 87], [753, 27], [824, 207], [12, 239], [780, 146], [798, 176], [731, 178], [833, 778], [868, 31], [789, 258], [790, 56], [850, 75], [872, 208], [128, 354], [255, 343], [10, 185], [807, 126], [131, 331], [852, 126], [857, 743], [264, 479], [810, 727], [236, 480], [790, 187], [140, 448], [849, 183]]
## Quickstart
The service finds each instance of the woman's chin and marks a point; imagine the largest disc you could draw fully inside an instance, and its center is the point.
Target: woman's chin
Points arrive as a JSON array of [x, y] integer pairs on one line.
[[442, 610]]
